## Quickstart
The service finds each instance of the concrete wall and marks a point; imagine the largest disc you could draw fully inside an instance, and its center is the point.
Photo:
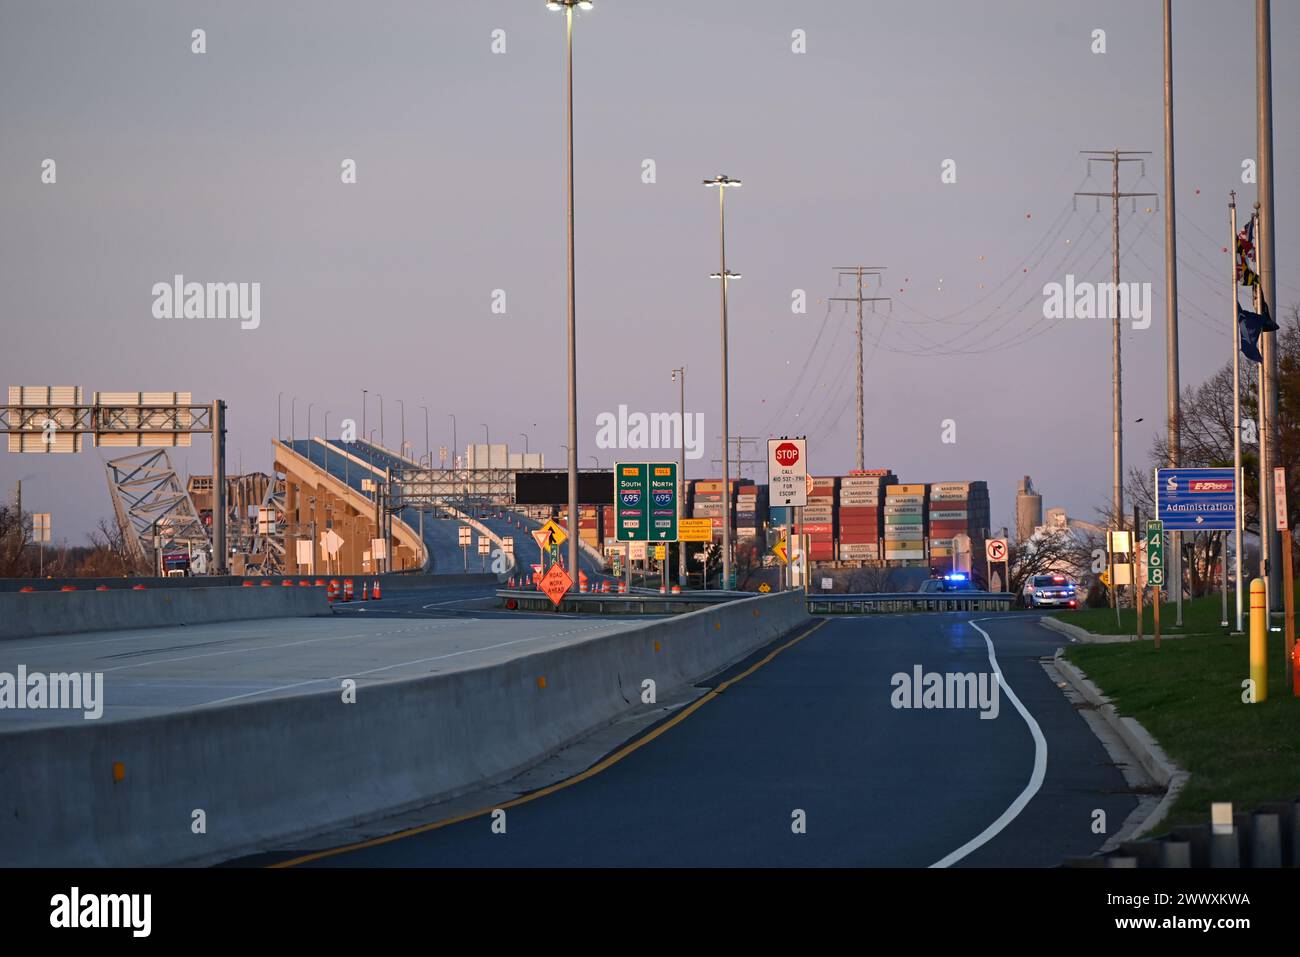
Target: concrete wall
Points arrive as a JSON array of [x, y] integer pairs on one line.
[[57, 613], [274, 770]]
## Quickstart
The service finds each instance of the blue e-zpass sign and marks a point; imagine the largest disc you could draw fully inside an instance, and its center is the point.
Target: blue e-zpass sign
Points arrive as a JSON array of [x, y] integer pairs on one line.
[[1196, 500]]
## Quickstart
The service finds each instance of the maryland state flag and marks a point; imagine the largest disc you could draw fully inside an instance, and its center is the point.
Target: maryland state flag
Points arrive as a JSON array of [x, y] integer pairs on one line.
[[1246, 256], [1249, 327]]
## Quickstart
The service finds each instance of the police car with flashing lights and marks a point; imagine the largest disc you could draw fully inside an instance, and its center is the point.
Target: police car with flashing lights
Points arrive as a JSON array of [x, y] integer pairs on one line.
[[1051, 591], [953, 581]]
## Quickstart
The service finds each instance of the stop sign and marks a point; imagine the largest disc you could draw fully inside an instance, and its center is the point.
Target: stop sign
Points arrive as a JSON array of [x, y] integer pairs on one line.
[[787, 453]]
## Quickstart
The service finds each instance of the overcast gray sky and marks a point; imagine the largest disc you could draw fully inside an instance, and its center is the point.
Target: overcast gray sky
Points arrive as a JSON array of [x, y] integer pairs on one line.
[[225, 167]]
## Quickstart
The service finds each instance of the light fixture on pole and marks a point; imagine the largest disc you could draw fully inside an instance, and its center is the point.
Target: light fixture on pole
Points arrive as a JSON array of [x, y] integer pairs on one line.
[[722, 182], [567, 6]]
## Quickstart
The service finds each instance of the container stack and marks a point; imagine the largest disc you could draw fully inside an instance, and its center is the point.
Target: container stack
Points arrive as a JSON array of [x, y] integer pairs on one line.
[[819, 519], [905, 513], [957, 508], [706, 498], [860, 524], [751, 503]]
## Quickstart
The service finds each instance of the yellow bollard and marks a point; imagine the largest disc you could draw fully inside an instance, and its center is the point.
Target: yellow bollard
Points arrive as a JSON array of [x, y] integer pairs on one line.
[[1258, 641]]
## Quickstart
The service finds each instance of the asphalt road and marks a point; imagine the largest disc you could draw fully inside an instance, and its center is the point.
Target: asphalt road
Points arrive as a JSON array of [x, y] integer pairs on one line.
[[814, 730]]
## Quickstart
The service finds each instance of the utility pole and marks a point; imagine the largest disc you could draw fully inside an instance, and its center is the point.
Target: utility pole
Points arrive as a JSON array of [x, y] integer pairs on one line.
[[1115, 157], [680, 376], [1174, 441], [857, 272], [722, 182], [740, 462], [1267, 280]]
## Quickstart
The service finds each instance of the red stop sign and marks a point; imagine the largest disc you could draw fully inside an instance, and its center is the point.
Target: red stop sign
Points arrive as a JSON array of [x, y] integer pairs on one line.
[[787, 454]]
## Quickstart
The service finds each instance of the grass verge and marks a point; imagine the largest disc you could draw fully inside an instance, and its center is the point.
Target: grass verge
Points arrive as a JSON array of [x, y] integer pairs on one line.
[[1188, 695]]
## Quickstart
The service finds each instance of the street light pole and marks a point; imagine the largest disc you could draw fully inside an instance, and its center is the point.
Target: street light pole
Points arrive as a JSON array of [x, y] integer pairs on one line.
[[279, 416], [722, 182], [427, 452], [679, 376], [402, 448], [364, 397], [524, 436], [381, 418], [567, 6], [293, 419]]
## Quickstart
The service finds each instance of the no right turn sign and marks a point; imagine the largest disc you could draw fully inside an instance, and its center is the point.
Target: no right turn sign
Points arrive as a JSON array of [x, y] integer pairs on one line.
[[995, 549]]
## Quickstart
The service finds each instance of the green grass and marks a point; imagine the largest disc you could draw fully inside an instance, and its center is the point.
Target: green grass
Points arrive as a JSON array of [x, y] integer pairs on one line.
[[1188, 695], [1201, 616]]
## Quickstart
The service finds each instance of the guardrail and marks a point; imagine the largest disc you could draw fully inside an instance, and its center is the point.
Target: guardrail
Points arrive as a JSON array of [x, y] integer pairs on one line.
[[890, 602]]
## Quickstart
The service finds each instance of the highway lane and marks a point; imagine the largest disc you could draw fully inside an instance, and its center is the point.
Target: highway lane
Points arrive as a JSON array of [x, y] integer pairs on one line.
[[814, 730], [162, 670]]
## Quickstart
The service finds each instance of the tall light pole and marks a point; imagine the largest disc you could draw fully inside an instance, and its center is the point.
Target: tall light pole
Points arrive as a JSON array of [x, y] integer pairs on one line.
[[487, 437], [279, 416], [309, 408], [1267, 284], [722, 182], [402, 405], [1171, 308], [679, 376], [427, 452], [364, 400], [567, 6], [454, 453], [327, 441], [293, 419], [524, 436], [381, 418]]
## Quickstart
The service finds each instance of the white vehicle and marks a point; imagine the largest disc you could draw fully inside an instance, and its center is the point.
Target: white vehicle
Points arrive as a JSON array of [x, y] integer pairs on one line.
[[1051, 591]]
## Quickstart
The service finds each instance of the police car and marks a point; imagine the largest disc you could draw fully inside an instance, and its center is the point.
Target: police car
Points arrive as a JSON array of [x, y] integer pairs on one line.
[[1051, 591]]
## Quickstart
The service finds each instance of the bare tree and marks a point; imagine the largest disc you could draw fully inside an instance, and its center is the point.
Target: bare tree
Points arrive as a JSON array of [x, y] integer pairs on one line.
[[1051, 551]]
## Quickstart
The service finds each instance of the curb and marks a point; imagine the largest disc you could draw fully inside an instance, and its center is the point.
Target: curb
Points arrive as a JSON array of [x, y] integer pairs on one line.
[[1089, 638], [1136, 738]]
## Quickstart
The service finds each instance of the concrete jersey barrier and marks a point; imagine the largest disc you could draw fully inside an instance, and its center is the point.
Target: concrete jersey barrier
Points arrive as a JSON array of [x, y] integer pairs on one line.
[[275, 770], [57, 613]]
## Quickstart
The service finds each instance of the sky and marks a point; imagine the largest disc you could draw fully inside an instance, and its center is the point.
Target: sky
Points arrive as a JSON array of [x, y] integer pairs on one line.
[[226, 166]]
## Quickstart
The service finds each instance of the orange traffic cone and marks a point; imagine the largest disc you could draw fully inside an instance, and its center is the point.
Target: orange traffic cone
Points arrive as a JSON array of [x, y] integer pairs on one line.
[[375, 594], [365, 591]]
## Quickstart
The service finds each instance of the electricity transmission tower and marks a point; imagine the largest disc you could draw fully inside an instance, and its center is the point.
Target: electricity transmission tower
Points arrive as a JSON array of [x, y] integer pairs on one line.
[[857, 273]]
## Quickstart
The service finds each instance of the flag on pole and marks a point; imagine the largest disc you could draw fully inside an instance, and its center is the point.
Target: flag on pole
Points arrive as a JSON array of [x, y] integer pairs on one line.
[[1246, 255], [1249, 327]]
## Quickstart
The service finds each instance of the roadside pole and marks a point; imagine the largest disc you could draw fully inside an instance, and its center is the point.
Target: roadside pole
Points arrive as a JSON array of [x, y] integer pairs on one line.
[[1136, 567]]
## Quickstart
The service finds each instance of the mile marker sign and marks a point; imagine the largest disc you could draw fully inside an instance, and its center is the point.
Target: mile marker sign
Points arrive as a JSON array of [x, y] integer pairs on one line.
[[787, 472]]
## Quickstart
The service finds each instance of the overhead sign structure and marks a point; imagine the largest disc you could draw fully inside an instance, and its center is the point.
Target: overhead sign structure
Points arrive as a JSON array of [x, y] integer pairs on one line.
[[1155, 554], [995, 549], [787, 472], [695, 530], [1196, 500], [556, 583], [645, 501]]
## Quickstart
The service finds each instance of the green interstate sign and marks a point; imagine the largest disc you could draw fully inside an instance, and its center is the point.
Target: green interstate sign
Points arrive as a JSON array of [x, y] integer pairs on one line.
[[645, 501]]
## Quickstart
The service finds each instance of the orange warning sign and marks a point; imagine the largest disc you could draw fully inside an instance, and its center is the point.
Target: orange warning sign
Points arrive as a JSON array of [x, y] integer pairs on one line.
[[555, 583]]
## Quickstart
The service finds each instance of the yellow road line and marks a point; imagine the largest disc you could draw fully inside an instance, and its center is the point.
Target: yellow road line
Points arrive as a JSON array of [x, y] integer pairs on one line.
[[592, 771]]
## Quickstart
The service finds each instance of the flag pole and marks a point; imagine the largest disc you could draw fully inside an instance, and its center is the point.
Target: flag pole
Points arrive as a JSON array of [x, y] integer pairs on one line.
[[1265, 518], [1236, 401]]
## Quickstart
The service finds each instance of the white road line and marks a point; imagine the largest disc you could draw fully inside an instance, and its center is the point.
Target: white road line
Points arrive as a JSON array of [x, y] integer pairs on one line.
[[1035, 779], [458, 601]]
